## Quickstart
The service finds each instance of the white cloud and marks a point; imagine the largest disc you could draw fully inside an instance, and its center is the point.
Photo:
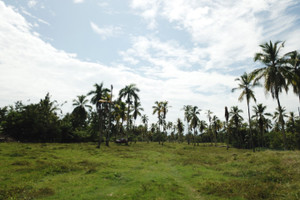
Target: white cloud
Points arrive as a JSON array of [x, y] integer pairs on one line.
[[165, 70], [31, 3], [105, 32], [229, 30], [78, 1]]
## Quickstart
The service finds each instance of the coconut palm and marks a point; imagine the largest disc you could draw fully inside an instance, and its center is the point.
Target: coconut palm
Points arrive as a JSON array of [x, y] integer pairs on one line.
[[277, 116], [236, 119], [261, 116], [293, 59], [209, 117], [157, 108], [227, 132], [137, 109], [275, 73], [217, 125], [145, 120], [165, 108], [80, 111], [99, 93], [194, 112], [129, 93], [180, 128], [246, 84]]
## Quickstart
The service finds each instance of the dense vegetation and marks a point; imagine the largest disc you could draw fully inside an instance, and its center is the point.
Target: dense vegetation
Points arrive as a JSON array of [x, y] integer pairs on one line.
[[145, 171], [113, 119]]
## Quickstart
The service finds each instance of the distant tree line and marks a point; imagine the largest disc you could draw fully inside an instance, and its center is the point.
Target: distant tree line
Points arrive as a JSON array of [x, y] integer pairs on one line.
[[114, 118]]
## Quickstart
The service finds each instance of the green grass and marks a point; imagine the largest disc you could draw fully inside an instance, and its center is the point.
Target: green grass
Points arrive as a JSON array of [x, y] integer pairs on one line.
[[146, 171]]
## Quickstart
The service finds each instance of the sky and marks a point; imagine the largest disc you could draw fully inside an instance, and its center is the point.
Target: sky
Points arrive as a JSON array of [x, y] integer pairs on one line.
[[186, 52]]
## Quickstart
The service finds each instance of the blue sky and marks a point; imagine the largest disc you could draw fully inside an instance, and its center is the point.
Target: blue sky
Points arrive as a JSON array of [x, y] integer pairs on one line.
[[182, 51]]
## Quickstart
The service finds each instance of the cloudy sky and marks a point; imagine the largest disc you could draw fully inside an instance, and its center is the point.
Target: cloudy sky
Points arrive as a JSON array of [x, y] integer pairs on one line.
[[182, 51]]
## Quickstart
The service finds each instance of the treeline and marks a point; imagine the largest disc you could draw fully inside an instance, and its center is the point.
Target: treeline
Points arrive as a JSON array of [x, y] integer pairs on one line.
[[100, 118]]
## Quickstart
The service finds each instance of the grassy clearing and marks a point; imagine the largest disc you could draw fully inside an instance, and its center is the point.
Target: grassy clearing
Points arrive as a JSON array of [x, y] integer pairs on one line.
[[145, 171]]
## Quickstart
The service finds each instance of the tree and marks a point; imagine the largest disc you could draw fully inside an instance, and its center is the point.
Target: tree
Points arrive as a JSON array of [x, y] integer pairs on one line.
[[157, 108], [246, 85], [180, 128], [236, 120], [227, 132], [217, 125], [261, 117], [208, 114], [293, 59], [137, 109], [187, 116], [145, 120], [79, 112], [194, 112], [129, 93], [278, 114], [164, 107], [275, 74], [98, 94]]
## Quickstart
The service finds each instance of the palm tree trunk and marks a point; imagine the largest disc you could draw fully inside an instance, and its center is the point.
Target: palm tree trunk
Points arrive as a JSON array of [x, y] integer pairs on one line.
[[100, 129], [252, 143], [227, 138], [194, 136], [127, 128], [282, 122]]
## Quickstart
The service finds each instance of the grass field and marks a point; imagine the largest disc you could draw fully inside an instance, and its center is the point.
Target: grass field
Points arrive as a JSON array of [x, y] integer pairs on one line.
[[146, 171]]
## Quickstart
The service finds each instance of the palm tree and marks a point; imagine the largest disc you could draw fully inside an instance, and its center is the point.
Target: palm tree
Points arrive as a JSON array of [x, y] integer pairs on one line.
[[261, 116], [208, 114], [99, 93], [180, 128], [129, 93], [164, 106], [278, 114], [236, 119], [145, 120], [194, 112], [137, 109], [246, 85], [187, 115], [275, 73], [157, 108], [293, 59], [80, 109], [227, 131], [217, 125]]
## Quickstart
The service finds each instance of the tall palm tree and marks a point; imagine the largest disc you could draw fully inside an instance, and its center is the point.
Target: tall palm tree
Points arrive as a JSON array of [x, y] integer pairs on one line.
[[99, 93], [236, 119], [208, 114], [227, 130], [187, 115], [157, 108], [129, 93], [278, 114], [293, 59], [217, 125], [180, 128], [80, 109], [261, 116], [145, 120], [246, 85], [194, 112], [165, 108], [275, 73], [137, 108]]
